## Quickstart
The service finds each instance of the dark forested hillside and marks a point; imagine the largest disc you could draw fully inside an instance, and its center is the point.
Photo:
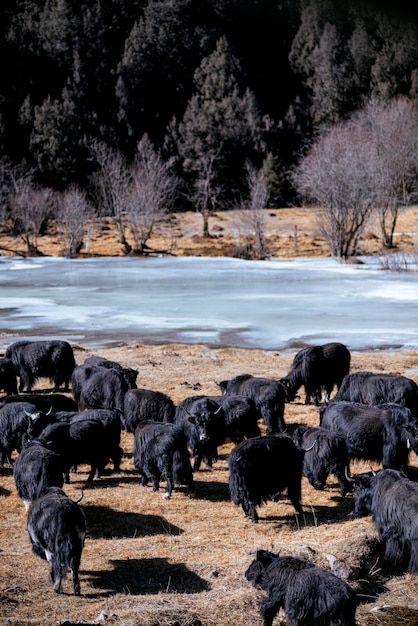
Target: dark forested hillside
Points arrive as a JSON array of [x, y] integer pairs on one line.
[[213, 85]]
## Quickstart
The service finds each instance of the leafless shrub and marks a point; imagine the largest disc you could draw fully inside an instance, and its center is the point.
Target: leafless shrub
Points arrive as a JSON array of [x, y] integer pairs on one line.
[[74, 214], [251, 218], [136, 196], [393, 130], [151, 193], [399, 262], [336, 176], [31, 207], [111, 188], [206, 191]]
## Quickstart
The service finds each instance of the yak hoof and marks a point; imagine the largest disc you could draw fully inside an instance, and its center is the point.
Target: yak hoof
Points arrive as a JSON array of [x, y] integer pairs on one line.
[[192, 494], [58, 585], [166, 495]]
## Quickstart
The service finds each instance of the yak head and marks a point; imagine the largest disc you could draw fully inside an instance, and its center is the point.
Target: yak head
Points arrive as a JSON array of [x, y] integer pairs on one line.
[[255, 572], [362, 486], [204, 413], [37, 422]]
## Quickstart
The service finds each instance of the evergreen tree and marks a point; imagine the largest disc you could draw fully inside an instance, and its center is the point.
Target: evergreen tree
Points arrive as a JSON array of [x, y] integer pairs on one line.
[[396, 60], [154, 76], [55, 141], [221, 125]]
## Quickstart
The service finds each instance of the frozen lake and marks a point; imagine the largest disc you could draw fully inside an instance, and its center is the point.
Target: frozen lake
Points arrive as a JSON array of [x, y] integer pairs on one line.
[[275, 305]]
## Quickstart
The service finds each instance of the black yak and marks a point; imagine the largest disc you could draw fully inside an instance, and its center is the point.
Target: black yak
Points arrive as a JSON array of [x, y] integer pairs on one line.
[[317, 369], [325, 454], [160, 452], [203, 423], [374, 433], [57, 528], [146, 404], [392, 500], [36, 469], [268, 395], [53, 359], [309, 594], [374, 389], [260, 468], [8, 379]]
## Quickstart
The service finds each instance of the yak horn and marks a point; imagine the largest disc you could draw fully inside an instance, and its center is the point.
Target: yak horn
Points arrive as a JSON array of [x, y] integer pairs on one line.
[[372, 471], [218, 410], [80, 498], [348, 477], [310, 447], [33, 416]]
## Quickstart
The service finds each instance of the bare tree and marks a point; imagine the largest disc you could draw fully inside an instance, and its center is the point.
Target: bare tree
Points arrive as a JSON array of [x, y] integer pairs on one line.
[[206, 190], [337, 175], [111, 188], [251, 217], [31, 207], [152, 190], [74, 213], [393, 128], [6, 177]]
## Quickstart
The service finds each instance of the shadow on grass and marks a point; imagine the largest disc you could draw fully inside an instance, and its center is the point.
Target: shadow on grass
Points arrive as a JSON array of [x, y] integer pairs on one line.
[[212, 491], [145, 577], [313, 515], [106, 523]]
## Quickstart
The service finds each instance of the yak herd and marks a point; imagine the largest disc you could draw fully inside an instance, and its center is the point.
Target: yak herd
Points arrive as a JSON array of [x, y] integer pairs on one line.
[[371, 417]]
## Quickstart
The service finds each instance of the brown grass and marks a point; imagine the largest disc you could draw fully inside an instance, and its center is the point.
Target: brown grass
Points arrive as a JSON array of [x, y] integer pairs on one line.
[[152, 562], [289, 232]]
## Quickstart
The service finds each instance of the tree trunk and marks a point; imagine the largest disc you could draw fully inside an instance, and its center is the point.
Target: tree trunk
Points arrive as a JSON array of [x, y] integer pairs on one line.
[[127, 248]]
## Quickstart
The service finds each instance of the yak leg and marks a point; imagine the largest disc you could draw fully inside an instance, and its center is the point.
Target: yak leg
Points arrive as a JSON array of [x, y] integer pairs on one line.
[[250, 511], [294, 493], [75, 566], [394, 550], [268, 610]]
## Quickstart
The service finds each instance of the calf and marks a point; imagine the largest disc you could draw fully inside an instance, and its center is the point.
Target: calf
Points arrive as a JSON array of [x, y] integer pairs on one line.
[[268, 395], [260, 468], [57, 528], [392, 500], [308, 594], [146, 404], [8, 379], [373, 433], [36, 469], [53, 359], [160, 451], [318, 369], [325, 453]]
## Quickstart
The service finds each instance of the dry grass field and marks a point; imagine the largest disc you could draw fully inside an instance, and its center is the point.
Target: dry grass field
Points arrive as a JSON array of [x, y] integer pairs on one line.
[[181, 562], [290, 232]]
